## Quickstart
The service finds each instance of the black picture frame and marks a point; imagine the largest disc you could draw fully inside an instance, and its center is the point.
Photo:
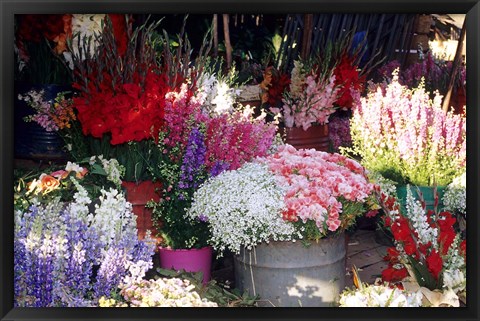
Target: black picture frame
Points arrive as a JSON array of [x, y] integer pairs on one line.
[[9, 7]]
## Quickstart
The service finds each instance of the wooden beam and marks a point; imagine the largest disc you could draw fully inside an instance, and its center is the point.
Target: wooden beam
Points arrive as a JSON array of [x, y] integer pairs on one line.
[[455, 67], [307, 35]]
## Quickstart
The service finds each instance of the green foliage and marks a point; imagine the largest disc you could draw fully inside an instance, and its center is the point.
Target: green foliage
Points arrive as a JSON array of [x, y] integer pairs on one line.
[[136, 157]]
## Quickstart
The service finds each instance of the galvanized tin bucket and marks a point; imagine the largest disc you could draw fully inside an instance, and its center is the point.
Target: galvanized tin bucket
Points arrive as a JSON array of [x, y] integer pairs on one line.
[[288, 274]]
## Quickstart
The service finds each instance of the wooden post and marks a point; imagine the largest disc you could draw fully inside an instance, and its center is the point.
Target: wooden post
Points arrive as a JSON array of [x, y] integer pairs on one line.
[[455, 67], [215, 35], [307, 35], [228, 45]]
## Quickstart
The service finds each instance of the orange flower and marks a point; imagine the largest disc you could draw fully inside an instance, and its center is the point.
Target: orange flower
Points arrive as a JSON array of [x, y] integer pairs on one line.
[[82, 173], [48, 183]]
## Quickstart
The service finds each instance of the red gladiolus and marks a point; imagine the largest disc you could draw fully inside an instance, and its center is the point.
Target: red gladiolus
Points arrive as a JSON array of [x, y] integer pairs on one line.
[[434, 264], [392, 274], [120, 30]]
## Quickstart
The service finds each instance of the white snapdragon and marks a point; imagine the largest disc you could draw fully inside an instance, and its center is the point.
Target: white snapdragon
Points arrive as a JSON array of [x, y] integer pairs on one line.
[[243, 208], [417, 216]]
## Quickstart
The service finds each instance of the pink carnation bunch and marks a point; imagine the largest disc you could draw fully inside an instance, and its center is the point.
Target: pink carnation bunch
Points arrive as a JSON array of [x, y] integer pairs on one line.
[[318, 184]]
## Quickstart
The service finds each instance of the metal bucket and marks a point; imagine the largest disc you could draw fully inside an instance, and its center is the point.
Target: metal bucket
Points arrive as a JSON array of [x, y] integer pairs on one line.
[[315, 137], [288, 274]]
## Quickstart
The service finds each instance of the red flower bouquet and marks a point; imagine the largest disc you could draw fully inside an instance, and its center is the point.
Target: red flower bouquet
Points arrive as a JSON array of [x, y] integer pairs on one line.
[[348, 76], [427, 247]]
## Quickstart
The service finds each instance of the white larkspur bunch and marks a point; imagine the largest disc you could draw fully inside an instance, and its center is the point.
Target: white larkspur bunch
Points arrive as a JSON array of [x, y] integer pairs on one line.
[[455, 196], [243, 208], [113, 216], [417, 216], [112, 167], [379, 296]]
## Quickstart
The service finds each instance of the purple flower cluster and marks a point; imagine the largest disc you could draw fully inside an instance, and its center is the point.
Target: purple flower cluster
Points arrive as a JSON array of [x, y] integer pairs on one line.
[[218, 168], [193, 161], [60, 260], [436, 73]]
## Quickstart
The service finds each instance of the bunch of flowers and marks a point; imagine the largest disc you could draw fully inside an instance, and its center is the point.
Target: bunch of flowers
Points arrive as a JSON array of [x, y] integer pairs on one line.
[[218, 93], [350, 80], [38, 38], [72, 253], [158, 293], [427, 248], [298, 194], [455, 197], [405, 136], [273, 85], [379, 295], [339, 133], [57, 116], [436, 72], [196, 145], [313, 93], [123, 109], [243, 208], [48, 186]]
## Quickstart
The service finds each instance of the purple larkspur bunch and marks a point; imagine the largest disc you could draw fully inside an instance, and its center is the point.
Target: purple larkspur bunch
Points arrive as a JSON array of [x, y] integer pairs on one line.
[[193, 160]]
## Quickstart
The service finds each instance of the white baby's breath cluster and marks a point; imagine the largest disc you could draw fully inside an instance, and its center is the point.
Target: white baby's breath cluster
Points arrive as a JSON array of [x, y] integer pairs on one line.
[[420, 224], [379, 296], [162, 292], [455, 196], [216, 95], [243, 208]]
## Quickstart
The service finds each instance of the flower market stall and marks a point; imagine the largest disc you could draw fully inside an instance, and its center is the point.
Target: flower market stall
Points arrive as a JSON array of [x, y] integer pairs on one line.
[[156, 168]]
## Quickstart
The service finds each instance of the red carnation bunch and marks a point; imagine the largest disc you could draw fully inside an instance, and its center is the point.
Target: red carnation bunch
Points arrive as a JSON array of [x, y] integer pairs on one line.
[[427, 246]]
